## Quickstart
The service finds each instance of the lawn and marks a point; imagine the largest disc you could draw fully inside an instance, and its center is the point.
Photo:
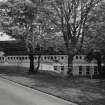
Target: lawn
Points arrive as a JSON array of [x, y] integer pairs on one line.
[[83, 91]]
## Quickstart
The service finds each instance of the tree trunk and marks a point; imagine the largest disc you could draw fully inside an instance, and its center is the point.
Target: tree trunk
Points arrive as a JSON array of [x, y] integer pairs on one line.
[[37, 68], [31, 69], [70, 67], [99, 68], [70, 61]]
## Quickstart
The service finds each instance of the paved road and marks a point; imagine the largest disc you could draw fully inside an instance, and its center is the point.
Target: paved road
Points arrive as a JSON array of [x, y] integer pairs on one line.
[[14, 94]]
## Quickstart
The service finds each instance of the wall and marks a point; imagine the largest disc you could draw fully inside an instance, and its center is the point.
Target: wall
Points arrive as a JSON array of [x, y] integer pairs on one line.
[[48, 62], [55, 63]]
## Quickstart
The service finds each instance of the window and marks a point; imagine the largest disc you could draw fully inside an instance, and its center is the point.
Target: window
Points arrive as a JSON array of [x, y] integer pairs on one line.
[[80, 70], [62, 68], [62, 57], [55, 68], [35, 58], [87, 70], [17, 58], [26, 58], [52, 57], [95, 70], [20, 58], [80, 57], [45, 57], [55, 57], [48, 57], [76, 57]]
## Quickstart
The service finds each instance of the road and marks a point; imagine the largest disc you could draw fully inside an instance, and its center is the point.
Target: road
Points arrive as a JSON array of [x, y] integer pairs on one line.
[[15, 94]]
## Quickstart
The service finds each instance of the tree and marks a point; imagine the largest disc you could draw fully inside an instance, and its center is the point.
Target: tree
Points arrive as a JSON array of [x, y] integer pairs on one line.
[[21, 19], [70, 17], [95, 37], [95, 54], [94, 43]]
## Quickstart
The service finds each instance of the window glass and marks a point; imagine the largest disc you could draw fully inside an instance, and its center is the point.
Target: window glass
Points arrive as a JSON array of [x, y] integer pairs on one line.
[[23, 58], [76, 57], [45, 57], [80, 57], [48, 57], [35, 57], [55, 68], [95, 70], [87, 70], [62, 68], [52, 57], [55, 57], [62, 57], [80, 70]]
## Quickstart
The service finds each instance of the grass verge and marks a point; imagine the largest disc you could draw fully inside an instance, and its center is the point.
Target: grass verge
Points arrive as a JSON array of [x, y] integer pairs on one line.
[[82, 91]]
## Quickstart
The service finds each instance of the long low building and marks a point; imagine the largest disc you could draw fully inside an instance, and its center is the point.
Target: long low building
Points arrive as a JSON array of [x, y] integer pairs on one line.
[[55, 63]]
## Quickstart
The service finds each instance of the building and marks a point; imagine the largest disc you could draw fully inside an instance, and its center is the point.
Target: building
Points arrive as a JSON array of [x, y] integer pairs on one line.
[[55, 63]]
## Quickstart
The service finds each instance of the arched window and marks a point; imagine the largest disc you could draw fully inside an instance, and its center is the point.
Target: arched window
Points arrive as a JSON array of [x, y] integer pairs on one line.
[[80, 70], [51, 57], [76, 57], [45, 57], [80, 57], [22, 58], [55, 58], [25, 58], [35, 58], [62, 57]]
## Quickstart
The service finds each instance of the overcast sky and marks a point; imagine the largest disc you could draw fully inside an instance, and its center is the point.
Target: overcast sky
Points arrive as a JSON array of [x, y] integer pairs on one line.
[[5, 37]]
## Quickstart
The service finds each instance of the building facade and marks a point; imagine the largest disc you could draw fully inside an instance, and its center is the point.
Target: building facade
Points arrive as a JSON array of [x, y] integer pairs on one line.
[[55, 63]]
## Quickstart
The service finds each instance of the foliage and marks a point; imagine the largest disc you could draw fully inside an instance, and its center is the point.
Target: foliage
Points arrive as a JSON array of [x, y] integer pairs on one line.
[[95, 35], [21, 19], [70, 17]]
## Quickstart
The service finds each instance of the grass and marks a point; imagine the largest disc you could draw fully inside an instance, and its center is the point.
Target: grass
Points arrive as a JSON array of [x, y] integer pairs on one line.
[[79, 90]]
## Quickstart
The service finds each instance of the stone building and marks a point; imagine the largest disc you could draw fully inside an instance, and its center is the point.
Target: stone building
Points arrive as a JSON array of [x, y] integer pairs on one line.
[[55, 63]]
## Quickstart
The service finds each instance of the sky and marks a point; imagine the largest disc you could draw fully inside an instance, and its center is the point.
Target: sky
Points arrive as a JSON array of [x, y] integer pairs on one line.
[[4, 37]]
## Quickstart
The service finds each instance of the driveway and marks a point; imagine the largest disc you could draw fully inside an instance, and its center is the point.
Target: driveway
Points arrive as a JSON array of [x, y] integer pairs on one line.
[[15, 94]]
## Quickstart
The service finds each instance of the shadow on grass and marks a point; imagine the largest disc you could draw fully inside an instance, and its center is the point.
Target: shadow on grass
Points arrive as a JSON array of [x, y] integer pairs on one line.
[[13, 70], [72, 89]]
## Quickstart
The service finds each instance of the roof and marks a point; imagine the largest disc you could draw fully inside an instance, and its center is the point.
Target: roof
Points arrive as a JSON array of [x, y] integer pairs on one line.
[[17, 47], [13, 47]]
